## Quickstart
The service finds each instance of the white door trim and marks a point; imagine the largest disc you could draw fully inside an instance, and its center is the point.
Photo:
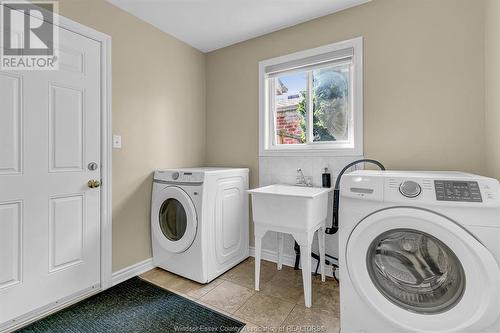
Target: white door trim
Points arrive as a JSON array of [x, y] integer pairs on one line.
[[106, 141]]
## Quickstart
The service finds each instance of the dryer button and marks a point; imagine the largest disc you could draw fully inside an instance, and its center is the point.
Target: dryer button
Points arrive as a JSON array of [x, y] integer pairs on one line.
[[410, 189], [175, 175]]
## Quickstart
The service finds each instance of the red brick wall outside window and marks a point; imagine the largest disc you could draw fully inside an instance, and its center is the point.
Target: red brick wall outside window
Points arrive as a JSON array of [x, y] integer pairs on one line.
[[288, 130], [288, 127]]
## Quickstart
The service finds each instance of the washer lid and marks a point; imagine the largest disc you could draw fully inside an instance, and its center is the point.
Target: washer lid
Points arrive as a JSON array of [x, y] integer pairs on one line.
[[174, 220], [423, 272]]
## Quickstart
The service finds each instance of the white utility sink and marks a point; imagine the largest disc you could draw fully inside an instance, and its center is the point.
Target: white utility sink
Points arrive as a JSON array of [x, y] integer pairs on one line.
[[289, 206], [299, 211]]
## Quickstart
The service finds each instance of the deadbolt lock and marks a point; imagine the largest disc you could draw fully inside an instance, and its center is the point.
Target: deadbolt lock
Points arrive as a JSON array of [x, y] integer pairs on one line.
[[93, 166], [94, 183]]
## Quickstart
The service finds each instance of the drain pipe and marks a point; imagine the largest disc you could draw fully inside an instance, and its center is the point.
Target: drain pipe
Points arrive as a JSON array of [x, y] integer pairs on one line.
[[335, 215]]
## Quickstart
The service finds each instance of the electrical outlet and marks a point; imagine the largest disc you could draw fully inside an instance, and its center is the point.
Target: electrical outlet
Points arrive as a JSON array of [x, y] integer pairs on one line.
[[117, 141]]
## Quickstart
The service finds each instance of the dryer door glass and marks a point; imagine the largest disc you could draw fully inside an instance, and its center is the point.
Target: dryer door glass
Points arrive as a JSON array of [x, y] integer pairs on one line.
[[416, 271], [173, 220]]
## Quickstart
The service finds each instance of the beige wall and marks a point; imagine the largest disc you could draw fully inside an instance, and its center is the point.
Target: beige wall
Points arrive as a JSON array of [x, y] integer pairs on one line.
[[423, 83], [424, 95], [492, 71], [158, 108]]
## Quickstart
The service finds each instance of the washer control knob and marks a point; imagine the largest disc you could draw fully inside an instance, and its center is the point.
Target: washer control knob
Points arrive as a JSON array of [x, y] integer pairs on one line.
[[410, 189], [175, 175]]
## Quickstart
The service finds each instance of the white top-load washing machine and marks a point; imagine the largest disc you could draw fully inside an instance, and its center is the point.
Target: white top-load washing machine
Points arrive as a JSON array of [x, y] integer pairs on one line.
[[199, 221], [419, 252]]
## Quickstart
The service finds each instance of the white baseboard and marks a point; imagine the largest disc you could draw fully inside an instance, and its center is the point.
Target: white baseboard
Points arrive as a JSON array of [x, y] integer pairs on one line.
[[288, 260], [131, 271]]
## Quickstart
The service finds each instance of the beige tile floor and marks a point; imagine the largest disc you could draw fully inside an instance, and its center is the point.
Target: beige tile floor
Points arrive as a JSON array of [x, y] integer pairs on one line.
[[278, 307]]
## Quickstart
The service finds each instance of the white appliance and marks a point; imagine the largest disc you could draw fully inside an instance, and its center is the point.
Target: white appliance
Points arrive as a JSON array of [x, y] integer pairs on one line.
[[419, 252], [199, 221]]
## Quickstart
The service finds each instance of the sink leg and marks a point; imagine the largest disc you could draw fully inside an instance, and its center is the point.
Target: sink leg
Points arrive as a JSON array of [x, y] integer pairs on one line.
[[321, 243], [306, 273], [258, 251], [280, 250]]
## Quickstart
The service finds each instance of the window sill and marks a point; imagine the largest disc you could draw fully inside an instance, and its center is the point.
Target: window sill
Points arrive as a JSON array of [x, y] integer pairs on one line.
[[312, 152]]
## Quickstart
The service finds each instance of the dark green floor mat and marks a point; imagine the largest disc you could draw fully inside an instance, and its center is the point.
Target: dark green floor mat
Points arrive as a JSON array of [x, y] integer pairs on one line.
[[135, 306]]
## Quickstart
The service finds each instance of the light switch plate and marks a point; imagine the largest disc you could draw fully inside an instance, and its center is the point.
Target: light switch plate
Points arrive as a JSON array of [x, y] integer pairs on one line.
[[117, 141]]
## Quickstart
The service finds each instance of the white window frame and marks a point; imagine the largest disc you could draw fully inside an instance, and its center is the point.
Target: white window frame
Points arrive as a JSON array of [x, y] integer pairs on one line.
[[267, 146]]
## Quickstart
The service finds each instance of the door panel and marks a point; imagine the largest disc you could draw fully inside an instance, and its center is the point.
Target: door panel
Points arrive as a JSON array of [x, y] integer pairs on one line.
[[10, 244], [71, 60], [10, 124], [53, 134], [66, 127], [66, 232]]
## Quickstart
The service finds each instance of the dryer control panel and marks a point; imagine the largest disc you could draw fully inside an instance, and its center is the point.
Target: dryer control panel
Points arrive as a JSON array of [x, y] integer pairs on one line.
[[451, 190], [179, 176]]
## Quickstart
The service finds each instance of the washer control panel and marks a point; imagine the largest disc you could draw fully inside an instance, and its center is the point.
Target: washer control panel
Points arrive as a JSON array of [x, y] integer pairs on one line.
[[444, 189], [463, 191]]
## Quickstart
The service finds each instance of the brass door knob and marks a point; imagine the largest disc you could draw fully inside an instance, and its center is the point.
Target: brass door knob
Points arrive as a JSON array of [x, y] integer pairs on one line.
[[93, 183]]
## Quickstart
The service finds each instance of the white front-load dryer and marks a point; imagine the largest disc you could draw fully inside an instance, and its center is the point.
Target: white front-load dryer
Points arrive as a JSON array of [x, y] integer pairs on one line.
[[199, 221], [419, 252], [175, 224]]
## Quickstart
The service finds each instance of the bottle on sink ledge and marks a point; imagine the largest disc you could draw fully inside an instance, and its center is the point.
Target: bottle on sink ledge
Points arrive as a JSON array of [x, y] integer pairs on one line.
[[326, 179]]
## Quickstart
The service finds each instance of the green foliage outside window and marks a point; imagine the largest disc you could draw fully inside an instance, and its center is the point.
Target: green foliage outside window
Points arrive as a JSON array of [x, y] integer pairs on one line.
[[330, 96]]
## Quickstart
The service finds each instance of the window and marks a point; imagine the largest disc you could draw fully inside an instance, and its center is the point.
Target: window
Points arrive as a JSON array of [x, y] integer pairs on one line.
[[311, 101]]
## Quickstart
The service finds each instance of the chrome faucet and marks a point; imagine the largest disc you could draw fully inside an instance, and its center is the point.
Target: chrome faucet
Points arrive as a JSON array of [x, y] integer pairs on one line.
[[302, 180]]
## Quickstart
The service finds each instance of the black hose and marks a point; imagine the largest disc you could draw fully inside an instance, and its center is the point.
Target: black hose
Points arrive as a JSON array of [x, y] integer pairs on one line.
[[335, 216], [332, 257], [336, 193], [327, 262]]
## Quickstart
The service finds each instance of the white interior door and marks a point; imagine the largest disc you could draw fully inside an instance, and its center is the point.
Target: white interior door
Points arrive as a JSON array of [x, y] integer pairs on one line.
[[49, 217]]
